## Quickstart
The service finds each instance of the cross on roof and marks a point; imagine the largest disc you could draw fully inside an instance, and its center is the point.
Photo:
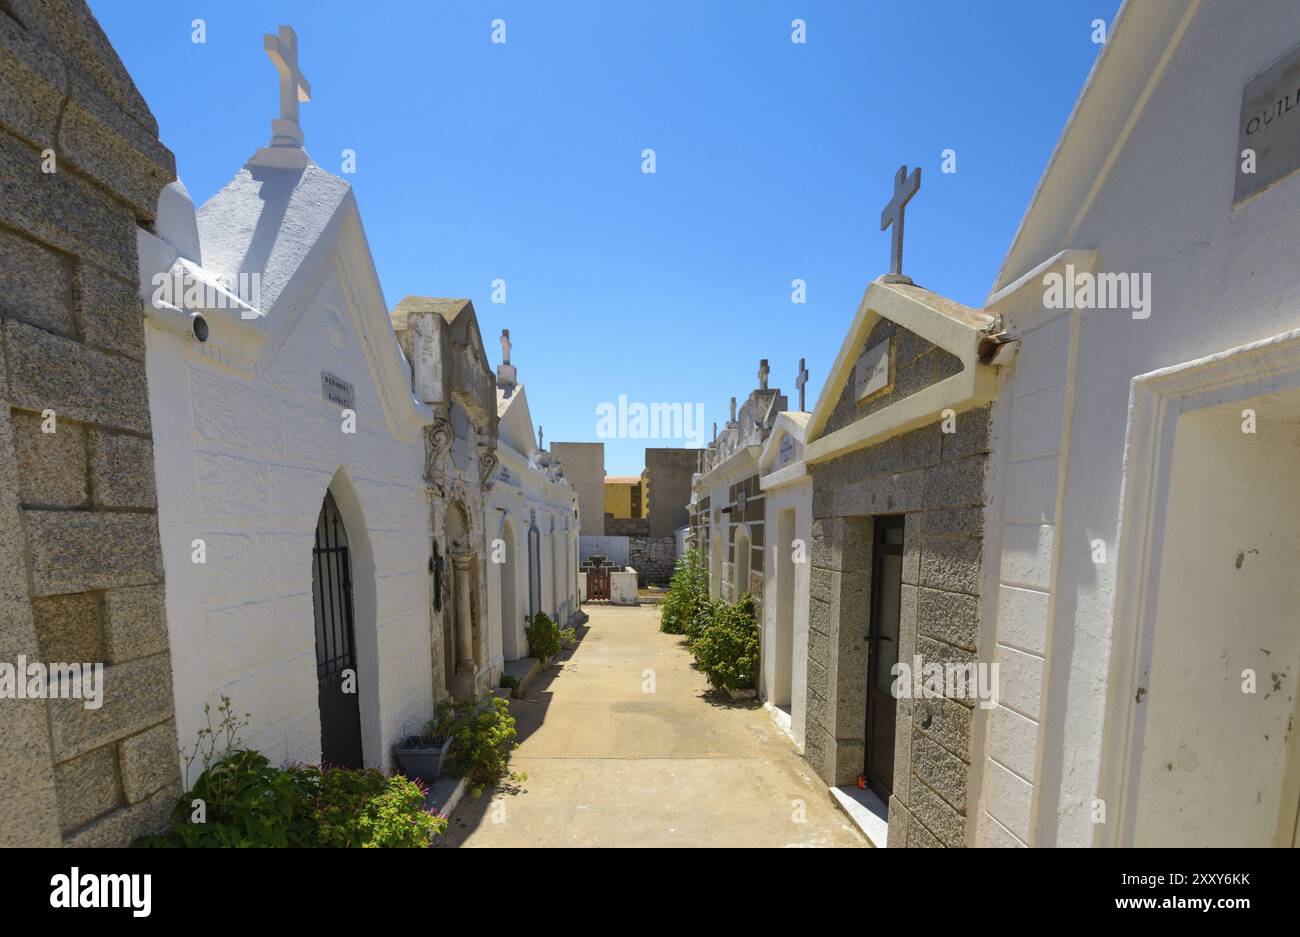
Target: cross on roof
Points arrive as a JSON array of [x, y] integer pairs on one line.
[[763, 372], [733, 409], [540, 445], [904, 188], [283, 50], [800, 380], [505, 345]]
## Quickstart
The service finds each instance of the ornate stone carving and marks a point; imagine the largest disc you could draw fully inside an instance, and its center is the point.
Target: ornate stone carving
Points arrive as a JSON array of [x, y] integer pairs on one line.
[[437, 440], [487, 461]]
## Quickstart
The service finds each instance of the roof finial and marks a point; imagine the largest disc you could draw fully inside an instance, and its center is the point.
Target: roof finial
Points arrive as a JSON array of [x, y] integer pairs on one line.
[[904, 188], [283, 50]]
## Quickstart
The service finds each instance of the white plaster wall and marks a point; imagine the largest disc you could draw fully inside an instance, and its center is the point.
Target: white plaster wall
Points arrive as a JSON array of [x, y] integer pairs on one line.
[[1213, 757], [1221, 277], [796, 497], [616, 549], [243, 462]]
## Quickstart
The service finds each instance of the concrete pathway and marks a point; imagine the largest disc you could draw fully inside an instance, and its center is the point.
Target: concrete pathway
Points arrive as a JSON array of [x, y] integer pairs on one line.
[[609, 764]]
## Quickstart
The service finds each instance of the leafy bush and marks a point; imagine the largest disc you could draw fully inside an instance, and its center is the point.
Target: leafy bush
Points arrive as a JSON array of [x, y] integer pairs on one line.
[[483, 734], [688, 590], [509, 682], [727, 650], [241, 800], [703, 616], [569, 637], [543, 636], [246, 802]]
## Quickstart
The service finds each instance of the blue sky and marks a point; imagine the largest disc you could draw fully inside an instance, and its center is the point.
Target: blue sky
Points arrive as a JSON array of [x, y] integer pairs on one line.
[[522, 161]]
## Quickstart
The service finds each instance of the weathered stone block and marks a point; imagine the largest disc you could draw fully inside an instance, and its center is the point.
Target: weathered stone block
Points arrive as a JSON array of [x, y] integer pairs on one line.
[[31, 83], [818, 681], [112, 148], [78, 382], [916, 376], [819, 583], [952, 565], [940, 652], [882, 494], [122, 471], [948, 616], [921, 447], [135, 623], [952, 522], [76, 551], [135, 696], [971, 437], [943, 772], [51, 466], [849, 755], [64, 210], [149, 761], [918, 837], [123, 826], [38, 284], [818, 647], [945, 721], [67, 628], [87, 787], [110, 311], [948, 826], [899, 820], [955, 484]]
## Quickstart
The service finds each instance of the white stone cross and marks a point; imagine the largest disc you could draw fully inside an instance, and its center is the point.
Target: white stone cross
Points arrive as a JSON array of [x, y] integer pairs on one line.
[[892, 214], [800, 380], [505, 345], [283, 50]]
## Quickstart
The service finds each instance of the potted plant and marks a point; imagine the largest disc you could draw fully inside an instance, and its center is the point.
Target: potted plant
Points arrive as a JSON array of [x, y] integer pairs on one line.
[[423, 756]]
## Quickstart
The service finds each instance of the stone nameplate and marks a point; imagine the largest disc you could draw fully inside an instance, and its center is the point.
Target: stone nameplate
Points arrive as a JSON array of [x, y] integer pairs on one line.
[[336, 390], [1270, 127], [786, 452], [872, 371]]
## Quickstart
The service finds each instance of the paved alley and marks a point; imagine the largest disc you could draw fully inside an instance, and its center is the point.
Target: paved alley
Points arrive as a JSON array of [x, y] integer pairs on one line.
[[610, 764]]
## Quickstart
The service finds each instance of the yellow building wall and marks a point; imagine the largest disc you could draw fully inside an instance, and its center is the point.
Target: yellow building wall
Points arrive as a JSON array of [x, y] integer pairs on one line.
[[618, 499]]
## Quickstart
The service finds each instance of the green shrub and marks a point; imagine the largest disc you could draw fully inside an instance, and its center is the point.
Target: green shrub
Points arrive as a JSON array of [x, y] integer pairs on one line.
[[508, 682], [727, 650], [483, 735], [543, 636], [248, 803], [240, 800], [688, 590], [702, 617], [569, 637], [397, 819]]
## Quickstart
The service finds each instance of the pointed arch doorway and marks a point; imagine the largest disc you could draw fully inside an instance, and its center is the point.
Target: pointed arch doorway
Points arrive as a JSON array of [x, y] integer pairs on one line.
[[336, 645]]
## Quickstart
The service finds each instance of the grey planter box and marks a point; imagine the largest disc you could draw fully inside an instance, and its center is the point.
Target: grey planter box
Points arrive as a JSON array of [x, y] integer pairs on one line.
[[417, 760]]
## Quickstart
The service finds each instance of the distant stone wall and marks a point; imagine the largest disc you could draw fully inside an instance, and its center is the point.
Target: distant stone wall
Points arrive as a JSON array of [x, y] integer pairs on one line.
[[627, 526], [81, 571], [653, 558]]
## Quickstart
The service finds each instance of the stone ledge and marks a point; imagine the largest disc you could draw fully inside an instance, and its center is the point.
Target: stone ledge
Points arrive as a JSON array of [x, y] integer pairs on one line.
[[867, 811]]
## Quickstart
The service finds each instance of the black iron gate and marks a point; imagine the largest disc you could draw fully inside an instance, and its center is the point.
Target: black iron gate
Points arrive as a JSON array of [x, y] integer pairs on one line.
[[336, 654]]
